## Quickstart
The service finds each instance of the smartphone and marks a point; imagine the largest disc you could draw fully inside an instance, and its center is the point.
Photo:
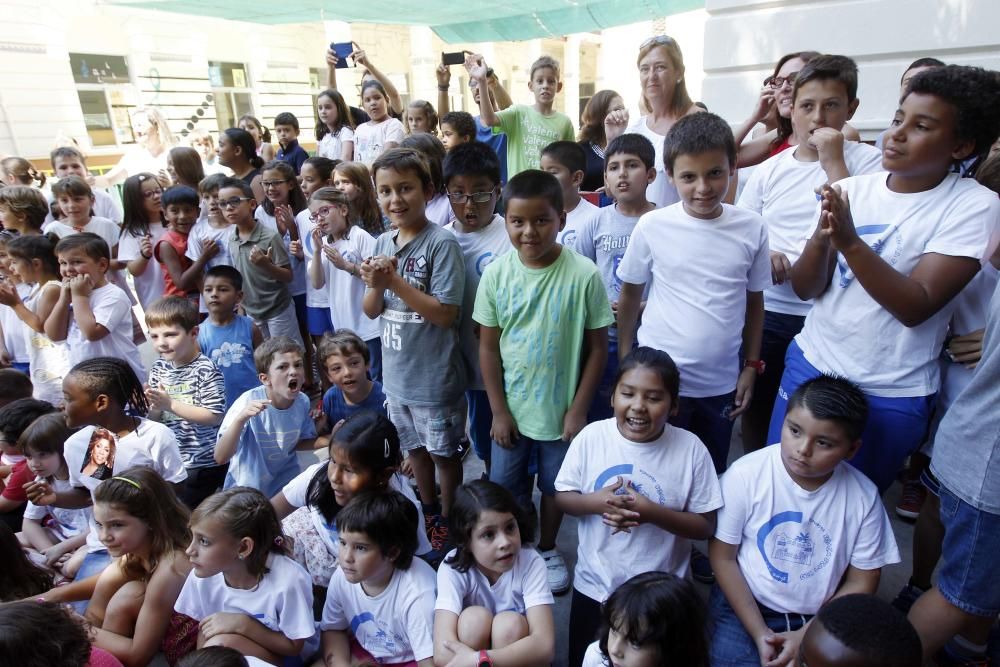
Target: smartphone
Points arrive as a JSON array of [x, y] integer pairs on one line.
[[342, 49], [455, 58]]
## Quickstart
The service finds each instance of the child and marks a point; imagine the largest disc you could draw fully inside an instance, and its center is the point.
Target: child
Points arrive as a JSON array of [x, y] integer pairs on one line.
[[528, 128], [438, 209], [23, 209], [339, 251], [187, 393], [43, 634], [933, 247], [317, 173], [380, 604], [363, 456], [700, 302], [58, 537], [243, 588], [415, 283], [203, 142], [641, 487], [472, 180], [493, 598], [13, 336], [566, 161], [208, 242], [286, 129], [799, 526], [542, 358], [15, 417], [225, 337], [33, 259], [782, 190], [260, 257], [654, 618], [859, 631], [69, 161], [457, 128], [18, 171], [181, 276], [261, 136], [355, 181], [93, 316], [382, 132], [421, 117], [263, 427], [20, 578], [184, 166], [335, 129], [142, 230], [237, 153], [346, 360], [76, 204]]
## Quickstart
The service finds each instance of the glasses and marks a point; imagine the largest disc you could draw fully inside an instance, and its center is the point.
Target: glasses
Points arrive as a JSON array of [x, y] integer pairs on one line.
[[476, 197], [150, 194], [779, 81], [658, 39], [234, 202], [321, 213], [273, 184]]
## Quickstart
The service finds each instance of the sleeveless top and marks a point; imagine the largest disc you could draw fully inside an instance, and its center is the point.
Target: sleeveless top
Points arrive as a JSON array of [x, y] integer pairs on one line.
[[248, 179], [49, 360]]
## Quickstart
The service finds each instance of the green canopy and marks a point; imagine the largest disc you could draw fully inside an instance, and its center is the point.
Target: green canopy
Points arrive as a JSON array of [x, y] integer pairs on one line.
[[452, 20]]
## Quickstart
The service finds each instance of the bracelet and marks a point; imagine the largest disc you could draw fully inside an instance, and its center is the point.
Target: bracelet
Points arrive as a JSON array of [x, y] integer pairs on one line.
[[145, 256], [443, 89]]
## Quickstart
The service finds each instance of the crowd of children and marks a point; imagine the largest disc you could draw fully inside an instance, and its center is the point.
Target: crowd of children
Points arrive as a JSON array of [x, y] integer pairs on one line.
[[398, 300]]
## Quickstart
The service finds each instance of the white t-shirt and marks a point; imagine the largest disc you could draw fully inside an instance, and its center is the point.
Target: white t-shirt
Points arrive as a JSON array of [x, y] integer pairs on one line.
[[113, 311], [439, 210], [315, 298], [332, 144], [103, 227], [345, 292], [49, 360], [151, 445], [298, 266], [137, 159], [296, 492], [16, 334], [66, 523], [701, 271], [526, 585], [576, 219], [203, 231], [149, 284], [795, 545], [782, 189], [593, 657], [370, 139], [661, 191], [674, 471], [395, 626], [847, 332], [479, 248]]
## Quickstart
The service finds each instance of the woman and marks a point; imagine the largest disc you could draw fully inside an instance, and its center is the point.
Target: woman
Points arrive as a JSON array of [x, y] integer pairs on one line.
[[153, 141], [665, 100], [100, 459], [592, 136]]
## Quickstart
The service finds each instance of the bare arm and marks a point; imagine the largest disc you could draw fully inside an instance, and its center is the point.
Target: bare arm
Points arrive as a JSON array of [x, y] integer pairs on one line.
[[629, 303], [756, 151], [476, 66], [281, 505], [504, 429], [500, 95], [395, 102], [753, 334], [336, 648], [57, 324], [595, 354], [444, 82], [85, 319]]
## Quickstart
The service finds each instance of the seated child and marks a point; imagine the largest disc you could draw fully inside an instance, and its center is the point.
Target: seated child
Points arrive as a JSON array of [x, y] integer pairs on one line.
[[493, 595], [69, 161], [344, 357], [799, 526], [15, 417], [286, 130], [181, 276], [457, 128], [566, 161], [20, 578], [186, 392], [14, 349], [380, 605], [43, 634], [265, 426], [859, 631], [249, 596]]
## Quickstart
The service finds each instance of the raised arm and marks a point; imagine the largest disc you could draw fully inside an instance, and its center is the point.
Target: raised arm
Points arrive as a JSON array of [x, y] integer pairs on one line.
[[443, 73], [395, 102], [479, 73]]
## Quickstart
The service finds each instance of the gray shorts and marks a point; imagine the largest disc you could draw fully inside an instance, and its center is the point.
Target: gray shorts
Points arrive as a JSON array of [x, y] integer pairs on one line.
[[439, 429]]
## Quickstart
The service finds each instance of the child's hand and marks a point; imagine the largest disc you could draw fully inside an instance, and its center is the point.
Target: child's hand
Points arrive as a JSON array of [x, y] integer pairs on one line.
[[573, 423], [476, 66], [158, 399], [223, 623], [828, 142], [443, 73], [504, 430], [284, 218], [8, 294], [744, 392], [778, 649], [967, 349], [81, 285], [615, 123], [253, 409], [781, 268], [620, 511], [295, 248], [377, 272], [335, 258], [359, 55], [835, 221], [40, 492], [209, 248], [55, 553], [317, 237], [331, 58], [259, 257], [463, 655], [163, 178], [146, 246]]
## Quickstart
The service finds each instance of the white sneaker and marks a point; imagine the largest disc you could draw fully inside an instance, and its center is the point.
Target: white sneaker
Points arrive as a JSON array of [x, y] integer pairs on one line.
[[558, 574]]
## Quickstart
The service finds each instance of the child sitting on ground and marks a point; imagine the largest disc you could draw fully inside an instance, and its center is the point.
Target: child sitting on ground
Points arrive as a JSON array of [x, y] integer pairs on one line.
[[859, 631], [345, 359]]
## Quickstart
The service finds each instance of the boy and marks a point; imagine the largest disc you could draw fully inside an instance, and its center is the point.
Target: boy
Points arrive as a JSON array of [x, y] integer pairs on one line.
[[859, 631], [286, 129], [799, 527], [457, 127], [266, 425], [472, 180], [186, 392], [700, 301], [380, 604], [783, 191], [225, 337], [259, 255], [629, 167], [416, 282], [528, 128], [16, 416], [497, 97], [181, 276], [543, 344], [68, 161], [93, 316], [566, 161], [76, 202], [210, 235], [915, 68], [346, 360]]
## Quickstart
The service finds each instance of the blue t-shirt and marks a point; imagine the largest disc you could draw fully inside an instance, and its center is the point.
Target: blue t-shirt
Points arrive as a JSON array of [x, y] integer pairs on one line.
[[265, 456], [336, 407], [498, 142], [231, 349]]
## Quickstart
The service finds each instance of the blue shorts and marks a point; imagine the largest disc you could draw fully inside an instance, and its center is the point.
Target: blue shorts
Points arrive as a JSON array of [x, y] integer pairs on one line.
[[93, 563], [22, 366], [966, 577], [896, 426], [509, 467], [318, 320], [731, 644]]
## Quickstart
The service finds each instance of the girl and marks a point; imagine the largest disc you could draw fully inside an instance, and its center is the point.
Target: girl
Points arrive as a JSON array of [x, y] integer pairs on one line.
[[335, 129], [421, 117], [340, 249], [244, 590], [641, 487], [237, 152], [23, 209], [653, 619], [355, 181], [438, 209], [363, 455], [380, 133], [19, 577], [142, 229], [261, 136], [33, 259], [493, 595], [43, 634], [18, 171], [13, 336], [592, 136], [316, 173], [185, 167]]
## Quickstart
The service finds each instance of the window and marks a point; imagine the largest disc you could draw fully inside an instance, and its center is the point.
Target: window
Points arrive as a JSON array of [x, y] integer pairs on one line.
[[231, 92], [104, 89]]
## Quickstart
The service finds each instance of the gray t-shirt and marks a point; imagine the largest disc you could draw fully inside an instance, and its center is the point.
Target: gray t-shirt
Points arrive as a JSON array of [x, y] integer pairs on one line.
[[264, 297], [967, 446], [422, 363]]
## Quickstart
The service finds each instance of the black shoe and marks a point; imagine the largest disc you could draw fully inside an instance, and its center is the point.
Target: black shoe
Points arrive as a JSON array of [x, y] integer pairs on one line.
[[701, 567]]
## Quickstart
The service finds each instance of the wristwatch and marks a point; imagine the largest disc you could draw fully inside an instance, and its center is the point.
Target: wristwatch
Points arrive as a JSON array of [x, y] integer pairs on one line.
[[756, 364], [485, 660]]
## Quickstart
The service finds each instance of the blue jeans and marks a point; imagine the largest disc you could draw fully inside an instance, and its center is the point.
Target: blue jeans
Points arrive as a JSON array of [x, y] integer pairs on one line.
[[93, 563], [708, 418], [509, 467], [600, 406], [896, 426], [731, 645], [966, 578], [480, 423]]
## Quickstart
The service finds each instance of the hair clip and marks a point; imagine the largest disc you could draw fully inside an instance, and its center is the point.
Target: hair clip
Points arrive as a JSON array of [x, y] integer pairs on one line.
[[129, 481], [279, 541], [386, 454]]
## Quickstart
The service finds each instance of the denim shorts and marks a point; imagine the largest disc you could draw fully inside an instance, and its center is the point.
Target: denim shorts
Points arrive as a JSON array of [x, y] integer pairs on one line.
[[732, 645], [439, 429], [509, 467], [966, 577]]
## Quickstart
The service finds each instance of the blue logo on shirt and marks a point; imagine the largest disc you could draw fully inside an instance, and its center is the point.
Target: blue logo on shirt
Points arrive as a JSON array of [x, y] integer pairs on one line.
[[803, 546]]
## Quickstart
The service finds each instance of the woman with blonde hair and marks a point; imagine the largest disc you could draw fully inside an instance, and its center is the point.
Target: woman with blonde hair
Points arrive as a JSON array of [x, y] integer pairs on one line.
[[153, 141]]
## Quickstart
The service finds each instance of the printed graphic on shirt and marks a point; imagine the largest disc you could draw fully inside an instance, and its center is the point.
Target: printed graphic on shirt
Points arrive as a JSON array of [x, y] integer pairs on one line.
[[793, 548], [377, 636], [397, 312], [230, 354], [642, 481], [878, 237], [483, 261], [99, 461]]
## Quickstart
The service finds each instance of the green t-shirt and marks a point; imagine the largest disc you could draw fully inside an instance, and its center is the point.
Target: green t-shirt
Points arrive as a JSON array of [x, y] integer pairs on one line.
[[543, 314], [528, 132]]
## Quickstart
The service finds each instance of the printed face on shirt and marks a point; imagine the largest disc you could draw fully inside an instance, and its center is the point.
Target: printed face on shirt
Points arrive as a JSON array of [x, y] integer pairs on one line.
[[213, 549], [702, 180], [403, 197], [348, 371], [921, 142], [285, 377], [69, 166], [173, 343], [811, 448], [626, 653], [76, 208], [471, 215], [181, 217], [221, 297], [120, 532], [43, 464], [494, 543], [99, 461], [570, 181], [642, 404], [361, 560], [820, 103], [346, 478], [76, 262], [819, 648], [533, 226], [545, 84], [81, 408], [626, 178]]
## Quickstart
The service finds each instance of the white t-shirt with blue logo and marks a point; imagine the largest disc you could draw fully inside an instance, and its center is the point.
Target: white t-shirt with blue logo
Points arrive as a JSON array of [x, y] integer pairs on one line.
[[526, 585], [795, 545], [576, 219]]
